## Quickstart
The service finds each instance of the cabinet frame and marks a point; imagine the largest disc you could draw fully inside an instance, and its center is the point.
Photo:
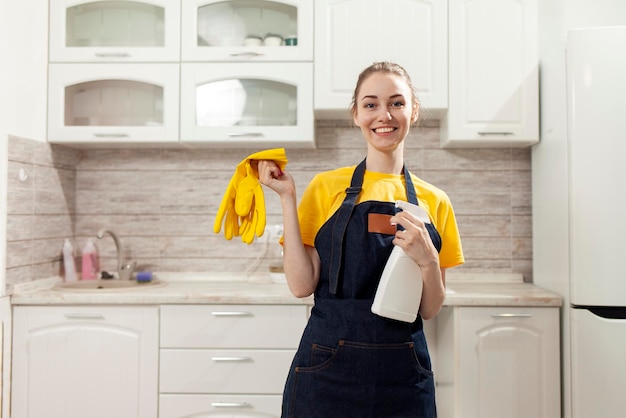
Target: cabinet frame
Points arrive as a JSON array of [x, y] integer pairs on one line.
[[60, 52], [464, 387], [44, 336], [191, 52], [352, 33], [501, 108], [64, 75], [300, 135]]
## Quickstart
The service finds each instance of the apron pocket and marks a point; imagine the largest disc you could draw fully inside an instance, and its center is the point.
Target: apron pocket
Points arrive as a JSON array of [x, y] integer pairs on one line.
[[358, 362], [321, 354], [361, 379]]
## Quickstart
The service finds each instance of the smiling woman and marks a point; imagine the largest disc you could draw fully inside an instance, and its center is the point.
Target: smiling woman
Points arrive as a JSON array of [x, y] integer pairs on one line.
[[334, 249]]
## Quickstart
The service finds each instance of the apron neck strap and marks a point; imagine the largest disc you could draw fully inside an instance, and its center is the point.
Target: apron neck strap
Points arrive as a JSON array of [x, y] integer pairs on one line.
[[344, 214], [341, 223]]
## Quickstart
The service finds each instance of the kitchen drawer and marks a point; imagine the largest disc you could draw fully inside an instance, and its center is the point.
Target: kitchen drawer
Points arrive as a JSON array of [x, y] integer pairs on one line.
[[224, 371], [232, 326], [259, 406]]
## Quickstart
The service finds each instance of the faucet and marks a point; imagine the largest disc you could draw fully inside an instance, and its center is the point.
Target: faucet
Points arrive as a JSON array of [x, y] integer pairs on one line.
[[124, 271]]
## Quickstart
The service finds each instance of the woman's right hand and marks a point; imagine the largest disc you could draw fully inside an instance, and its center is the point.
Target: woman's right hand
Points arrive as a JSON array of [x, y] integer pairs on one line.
[[272, 176]]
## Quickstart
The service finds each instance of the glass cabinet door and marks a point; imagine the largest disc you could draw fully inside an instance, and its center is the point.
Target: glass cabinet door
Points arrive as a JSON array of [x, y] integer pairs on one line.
[[111, 103], [238, 105], [255, 30], [114, 30]]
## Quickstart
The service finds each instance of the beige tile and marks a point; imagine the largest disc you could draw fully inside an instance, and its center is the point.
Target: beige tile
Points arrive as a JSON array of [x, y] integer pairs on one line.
[[162, 203]]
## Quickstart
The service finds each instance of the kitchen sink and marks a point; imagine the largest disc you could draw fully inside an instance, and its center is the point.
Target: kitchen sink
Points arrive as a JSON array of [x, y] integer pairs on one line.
[[101, 285]]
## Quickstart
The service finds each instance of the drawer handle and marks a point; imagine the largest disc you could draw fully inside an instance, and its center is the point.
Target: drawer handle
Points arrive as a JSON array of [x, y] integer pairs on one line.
[[231, 359], [511, 315], [230, 405], [246, 54], [112, 54], [231, 313], [495, 133], [80, 315], [111, 135], [246, 134]]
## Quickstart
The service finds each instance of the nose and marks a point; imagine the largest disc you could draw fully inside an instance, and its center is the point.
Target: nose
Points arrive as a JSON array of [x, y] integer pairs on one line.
[[384, 114]]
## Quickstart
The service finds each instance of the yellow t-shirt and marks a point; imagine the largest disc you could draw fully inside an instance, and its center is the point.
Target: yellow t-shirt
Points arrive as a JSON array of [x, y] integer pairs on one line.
[[326, 192]]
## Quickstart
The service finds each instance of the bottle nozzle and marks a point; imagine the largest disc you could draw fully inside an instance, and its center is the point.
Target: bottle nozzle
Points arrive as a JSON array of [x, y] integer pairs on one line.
[[415, 210]]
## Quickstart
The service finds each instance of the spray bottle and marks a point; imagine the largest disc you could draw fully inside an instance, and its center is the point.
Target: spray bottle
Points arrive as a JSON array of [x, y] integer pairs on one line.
[[399, 291], [69, 262], [90, 268]]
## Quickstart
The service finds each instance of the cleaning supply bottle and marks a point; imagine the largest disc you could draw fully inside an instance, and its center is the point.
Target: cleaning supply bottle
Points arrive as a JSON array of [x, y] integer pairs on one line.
[[90, 266], [68, 262], [399, 291]]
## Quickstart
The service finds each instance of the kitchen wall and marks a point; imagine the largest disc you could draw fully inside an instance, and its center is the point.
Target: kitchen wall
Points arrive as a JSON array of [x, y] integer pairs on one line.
[[162, 201]]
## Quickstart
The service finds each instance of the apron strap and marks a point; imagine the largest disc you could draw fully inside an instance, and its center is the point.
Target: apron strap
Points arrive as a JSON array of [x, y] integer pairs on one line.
[[341, 224], [410, 189], [343, 217]]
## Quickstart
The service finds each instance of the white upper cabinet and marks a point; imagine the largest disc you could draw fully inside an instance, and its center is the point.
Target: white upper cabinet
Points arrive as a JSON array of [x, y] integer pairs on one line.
[[236, 105], [352, 34], [114, 31], [113, 103], [494, 88], [247, 30]]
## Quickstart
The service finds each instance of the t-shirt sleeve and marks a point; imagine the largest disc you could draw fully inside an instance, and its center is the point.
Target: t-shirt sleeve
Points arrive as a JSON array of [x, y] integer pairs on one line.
[[451, 249], [313, 210]]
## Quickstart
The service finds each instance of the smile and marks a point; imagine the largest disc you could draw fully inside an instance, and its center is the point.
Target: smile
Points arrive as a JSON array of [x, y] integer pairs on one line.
[[384, 130]]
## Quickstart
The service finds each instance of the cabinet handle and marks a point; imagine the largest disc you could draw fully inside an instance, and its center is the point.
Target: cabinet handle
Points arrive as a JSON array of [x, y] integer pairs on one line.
[[231, 359], [112, 54], [230, 404], [511, 315], [111, 135], [495, 133], [246, 134], [80, 315], [231, 313], [245, 54]]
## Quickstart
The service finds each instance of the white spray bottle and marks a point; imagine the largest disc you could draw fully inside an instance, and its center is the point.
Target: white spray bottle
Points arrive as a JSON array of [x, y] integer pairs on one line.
[[399, 292]]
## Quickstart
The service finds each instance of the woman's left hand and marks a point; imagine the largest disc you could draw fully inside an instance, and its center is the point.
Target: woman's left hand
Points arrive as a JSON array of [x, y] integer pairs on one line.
[[415, 239]]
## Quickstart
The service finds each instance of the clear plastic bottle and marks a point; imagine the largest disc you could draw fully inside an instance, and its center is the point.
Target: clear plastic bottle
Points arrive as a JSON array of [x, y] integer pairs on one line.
[[68, 262], [90, 267]]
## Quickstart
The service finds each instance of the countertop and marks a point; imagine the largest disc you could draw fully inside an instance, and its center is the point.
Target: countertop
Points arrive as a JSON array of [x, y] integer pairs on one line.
[[229, 288]]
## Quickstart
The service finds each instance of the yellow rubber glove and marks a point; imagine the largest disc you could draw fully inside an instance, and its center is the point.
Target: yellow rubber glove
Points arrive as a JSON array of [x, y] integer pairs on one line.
[[243, 206], [226, 211]]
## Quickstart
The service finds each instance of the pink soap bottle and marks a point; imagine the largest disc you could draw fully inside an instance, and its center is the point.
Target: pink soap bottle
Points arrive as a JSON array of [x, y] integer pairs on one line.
[[90, 267]]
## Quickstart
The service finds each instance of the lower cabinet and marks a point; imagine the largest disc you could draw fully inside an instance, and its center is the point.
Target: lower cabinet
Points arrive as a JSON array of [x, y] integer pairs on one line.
[[79, 361], [232, 360], [498, 362], [226, 360]]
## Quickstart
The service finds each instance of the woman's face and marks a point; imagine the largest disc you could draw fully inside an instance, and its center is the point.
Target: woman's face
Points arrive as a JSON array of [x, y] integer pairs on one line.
[[384, 110]]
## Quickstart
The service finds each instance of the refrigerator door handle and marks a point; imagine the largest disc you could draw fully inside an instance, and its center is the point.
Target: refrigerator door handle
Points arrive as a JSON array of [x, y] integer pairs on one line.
[[606, 312]]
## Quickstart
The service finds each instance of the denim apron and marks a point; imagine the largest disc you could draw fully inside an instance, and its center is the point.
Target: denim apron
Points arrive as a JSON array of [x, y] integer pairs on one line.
[[351, 362]]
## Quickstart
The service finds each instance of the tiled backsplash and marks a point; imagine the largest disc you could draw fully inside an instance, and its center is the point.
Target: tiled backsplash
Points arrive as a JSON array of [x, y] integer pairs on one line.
[[161, 202]]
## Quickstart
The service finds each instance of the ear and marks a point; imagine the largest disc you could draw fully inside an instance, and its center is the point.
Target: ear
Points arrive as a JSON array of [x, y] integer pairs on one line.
[[355, 119], [415, 114]]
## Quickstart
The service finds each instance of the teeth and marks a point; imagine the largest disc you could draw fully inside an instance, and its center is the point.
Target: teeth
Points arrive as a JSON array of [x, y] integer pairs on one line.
[[384, 130]]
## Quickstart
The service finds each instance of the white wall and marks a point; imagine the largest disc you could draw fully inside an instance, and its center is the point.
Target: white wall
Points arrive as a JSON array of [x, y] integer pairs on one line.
[[23, 73], [549, 157]]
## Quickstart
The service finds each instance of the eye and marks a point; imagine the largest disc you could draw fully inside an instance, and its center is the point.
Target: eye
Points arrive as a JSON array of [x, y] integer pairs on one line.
[[397, 104], [369, 105]]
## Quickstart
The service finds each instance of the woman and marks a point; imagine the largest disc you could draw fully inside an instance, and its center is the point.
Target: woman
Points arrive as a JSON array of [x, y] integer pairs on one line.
[[351, 362]]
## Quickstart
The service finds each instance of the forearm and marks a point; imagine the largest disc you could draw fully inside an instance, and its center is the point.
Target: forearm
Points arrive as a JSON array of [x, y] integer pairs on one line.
[[434, 291], [300, 262]]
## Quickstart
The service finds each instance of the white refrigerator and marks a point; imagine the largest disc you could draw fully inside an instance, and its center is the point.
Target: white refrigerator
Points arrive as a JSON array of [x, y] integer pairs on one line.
[[596, 100]]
